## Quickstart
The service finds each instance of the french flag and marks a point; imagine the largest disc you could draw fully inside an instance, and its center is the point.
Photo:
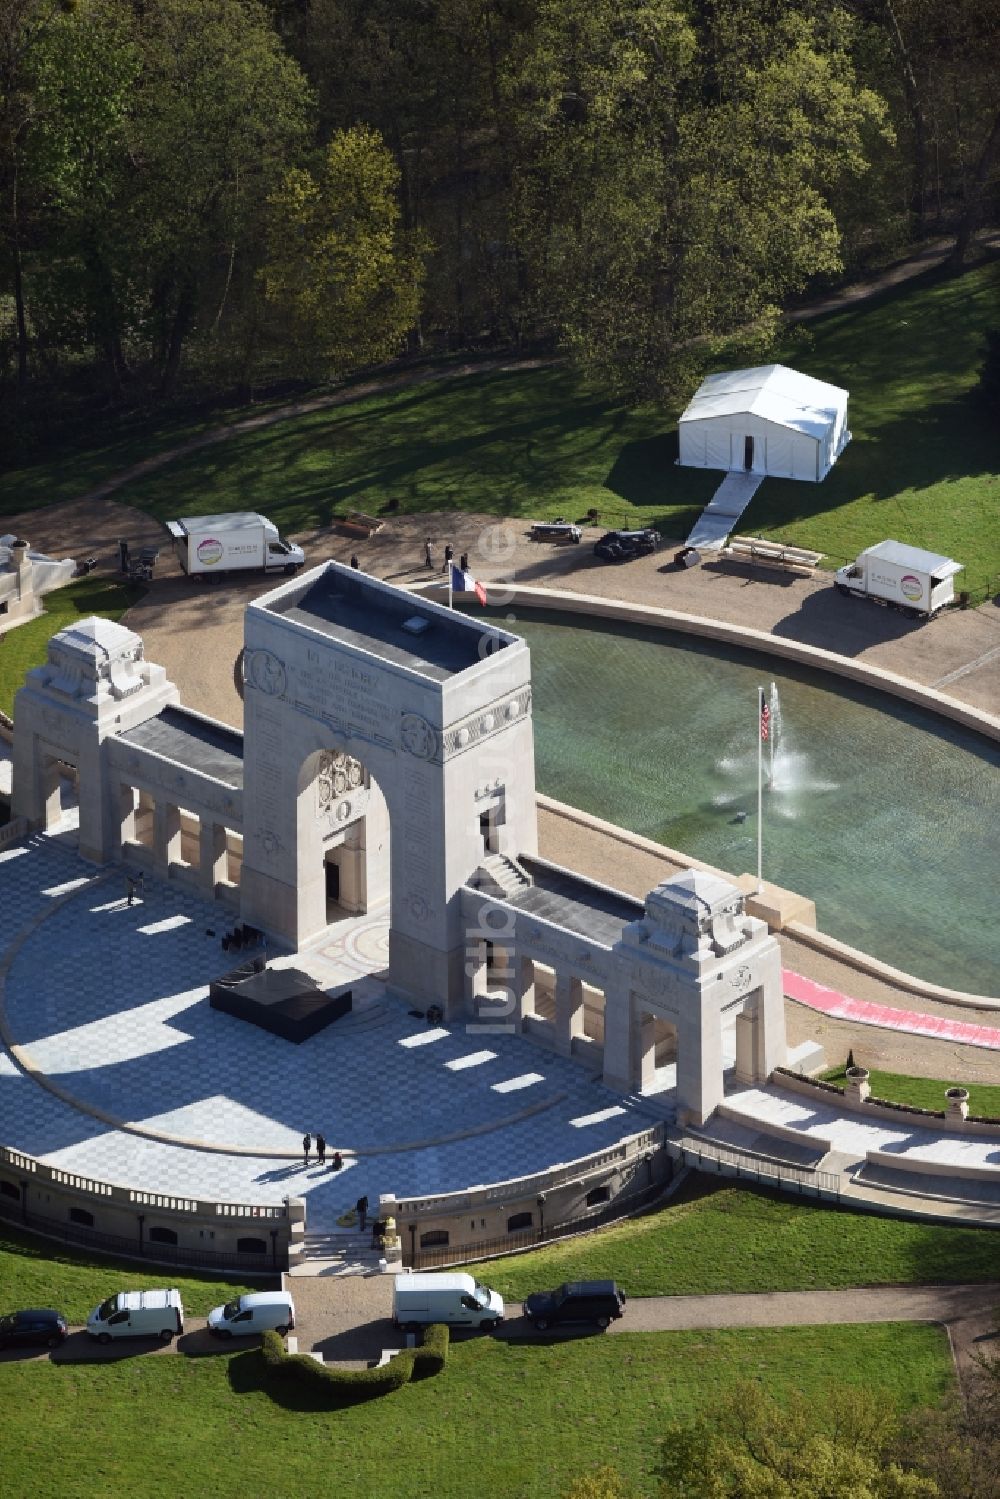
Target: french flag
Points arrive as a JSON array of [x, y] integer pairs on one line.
[[465, 583]]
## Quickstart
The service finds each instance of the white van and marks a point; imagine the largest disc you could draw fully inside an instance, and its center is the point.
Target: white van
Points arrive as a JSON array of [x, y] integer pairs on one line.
[[138, 1314], [456, 1299], [255, 1313]]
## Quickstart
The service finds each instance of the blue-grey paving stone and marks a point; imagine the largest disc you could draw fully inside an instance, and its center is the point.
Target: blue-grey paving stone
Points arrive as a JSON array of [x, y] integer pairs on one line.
[[120, 1017]]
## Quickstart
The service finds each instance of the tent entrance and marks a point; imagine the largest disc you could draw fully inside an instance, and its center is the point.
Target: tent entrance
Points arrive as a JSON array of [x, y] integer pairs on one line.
[[748, 453]]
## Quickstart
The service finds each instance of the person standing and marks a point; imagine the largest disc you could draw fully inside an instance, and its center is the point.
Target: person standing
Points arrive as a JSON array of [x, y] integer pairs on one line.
[[449, 553], [354, 561], [306, 1147], [321, 1150], [429, 554], [362, 1210], [464, 564]]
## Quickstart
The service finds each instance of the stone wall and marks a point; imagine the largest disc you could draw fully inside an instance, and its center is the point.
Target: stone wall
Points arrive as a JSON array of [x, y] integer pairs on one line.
[[159, 1227]]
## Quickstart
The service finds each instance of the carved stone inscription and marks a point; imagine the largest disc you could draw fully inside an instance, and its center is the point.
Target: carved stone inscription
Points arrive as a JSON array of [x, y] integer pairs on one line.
[[344, 692]]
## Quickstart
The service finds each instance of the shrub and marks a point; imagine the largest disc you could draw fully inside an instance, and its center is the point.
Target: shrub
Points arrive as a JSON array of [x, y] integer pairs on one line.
[[340, 1387], [432, 1357]]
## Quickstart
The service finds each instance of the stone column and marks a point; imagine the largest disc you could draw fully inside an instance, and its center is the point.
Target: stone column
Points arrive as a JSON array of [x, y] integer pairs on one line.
[[644, 1060], [617, 1038], [569, 1011], [166, 835], [475, 975], [496, 1007], [51, 793], [746, 1038], [524, 990], [213, 865], [126, 802]]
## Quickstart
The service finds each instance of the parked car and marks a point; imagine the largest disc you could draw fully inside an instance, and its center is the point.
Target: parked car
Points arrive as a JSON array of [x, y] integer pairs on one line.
[[597, 1301], [138, 1314], [38, 1326], [555, 530], [622, 546], [258, 1312]]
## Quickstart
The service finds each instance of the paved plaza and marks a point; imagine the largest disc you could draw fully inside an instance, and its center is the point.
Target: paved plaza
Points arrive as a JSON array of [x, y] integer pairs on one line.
[[110, 1004], [851, 1135]]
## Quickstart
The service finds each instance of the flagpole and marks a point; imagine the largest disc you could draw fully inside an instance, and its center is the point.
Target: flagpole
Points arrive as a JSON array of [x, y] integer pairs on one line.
[[760, 791], [451, 598]]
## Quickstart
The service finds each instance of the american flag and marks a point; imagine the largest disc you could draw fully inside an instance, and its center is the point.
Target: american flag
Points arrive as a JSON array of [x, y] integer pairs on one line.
[[765, 719]]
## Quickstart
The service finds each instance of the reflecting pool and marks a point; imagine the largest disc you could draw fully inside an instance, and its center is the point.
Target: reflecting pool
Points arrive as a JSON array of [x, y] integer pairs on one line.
[[885, 815]]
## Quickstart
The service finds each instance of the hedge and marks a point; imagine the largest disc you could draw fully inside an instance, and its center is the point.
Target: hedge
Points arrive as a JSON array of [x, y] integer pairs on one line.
[[350, 1386]]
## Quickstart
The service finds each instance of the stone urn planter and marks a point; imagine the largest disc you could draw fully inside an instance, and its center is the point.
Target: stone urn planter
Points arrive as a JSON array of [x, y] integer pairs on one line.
[[957, 1103], [858, 1087]]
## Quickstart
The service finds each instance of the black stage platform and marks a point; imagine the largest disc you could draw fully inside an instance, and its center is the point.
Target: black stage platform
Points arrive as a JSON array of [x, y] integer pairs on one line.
[[284, 1001]]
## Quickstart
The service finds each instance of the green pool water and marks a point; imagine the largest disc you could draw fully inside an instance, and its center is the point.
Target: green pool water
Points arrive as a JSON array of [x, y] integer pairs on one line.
[[886, 816]]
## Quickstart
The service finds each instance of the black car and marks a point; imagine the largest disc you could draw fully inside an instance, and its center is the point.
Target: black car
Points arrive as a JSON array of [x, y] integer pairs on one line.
[[38, 1326], [596, 1301], [622, 546]]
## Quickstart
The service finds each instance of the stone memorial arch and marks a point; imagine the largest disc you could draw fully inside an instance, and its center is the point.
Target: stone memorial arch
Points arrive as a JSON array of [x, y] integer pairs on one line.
[[697, 963], [390, 738]]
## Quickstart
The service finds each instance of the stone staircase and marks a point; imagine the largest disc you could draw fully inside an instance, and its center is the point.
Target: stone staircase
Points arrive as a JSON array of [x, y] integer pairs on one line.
[[343, 1252], [501, 875]]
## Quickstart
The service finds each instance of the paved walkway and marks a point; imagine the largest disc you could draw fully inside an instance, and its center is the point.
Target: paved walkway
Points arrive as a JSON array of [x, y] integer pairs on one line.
[[842, 1007], [851, 1135], [350, 1321], [140, 1082]]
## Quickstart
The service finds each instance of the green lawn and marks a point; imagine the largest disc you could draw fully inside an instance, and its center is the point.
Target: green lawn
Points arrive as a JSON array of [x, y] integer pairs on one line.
[[924, 1092], [922, 468], [37, 1272], [26, 645], [733, 1239], [508, 1420]]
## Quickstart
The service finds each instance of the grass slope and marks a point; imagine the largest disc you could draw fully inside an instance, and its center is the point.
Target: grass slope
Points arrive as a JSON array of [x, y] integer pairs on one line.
[[732, 1239], [26, 645], [508, 1420], [35, 1272], [924, 1092], [922, 468]]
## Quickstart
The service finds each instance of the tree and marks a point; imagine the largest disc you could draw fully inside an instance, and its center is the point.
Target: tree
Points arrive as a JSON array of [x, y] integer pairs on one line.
[[679, 164], [219, 113], [341, 273], [24, 26], [957, 1442], [600, 1483], [752, 1448]]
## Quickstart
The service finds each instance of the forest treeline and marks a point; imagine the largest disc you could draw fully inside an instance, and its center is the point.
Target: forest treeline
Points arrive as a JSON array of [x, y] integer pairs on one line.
[[211, 194]]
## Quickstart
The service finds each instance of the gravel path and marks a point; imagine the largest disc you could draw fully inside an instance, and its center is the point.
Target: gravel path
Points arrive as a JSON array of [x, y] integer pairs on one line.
[[348, 1319]]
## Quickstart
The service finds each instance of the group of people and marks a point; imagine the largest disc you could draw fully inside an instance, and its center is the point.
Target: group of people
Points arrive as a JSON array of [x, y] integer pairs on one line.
[[449, 557], [336, 1160]]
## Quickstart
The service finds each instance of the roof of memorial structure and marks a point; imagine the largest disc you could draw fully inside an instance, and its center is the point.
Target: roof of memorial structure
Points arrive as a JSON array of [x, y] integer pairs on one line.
[[388, 623]]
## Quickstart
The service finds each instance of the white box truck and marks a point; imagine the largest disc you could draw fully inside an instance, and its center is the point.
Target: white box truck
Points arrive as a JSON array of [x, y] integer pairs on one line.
[[237, 542], [138, 1314], [439, 1296], [901, 577]]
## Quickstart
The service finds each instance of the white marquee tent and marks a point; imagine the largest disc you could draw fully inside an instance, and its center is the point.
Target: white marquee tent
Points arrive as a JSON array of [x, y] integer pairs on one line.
[[769, 421]]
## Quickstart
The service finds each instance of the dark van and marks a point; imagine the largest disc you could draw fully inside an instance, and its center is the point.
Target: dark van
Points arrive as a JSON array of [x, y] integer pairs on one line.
[[598, 1302]]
